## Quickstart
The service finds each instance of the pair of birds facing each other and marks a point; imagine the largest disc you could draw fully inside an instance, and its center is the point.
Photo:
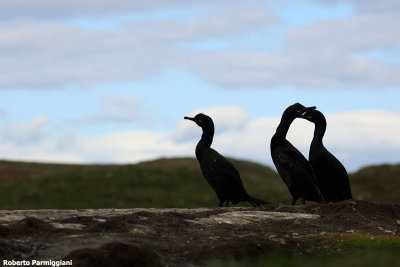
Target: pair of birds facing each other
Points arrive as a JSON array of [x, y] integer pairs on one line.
[[331, 183], [321, 179]]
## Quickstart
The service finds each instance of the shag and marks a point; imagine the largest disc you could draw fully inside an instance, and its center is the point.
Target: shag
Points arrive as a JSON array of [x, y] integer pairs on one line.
[[294, 169], [220, 174], [332, 177]]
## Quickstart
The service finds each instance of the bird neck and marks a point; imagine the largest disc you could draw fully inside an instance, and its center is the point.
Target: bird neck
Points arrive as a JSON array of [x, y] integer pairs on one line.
[[283, 128], [319, 132], [205, 142]]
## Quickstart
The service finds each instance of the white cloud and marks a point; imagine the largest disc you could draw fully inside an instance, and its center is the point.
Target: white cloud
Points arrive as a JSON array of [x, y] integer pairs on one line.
[[369, 6], [328, 54], [48, 9], [32, 132], [356, 138], [131, 146], [325, 54], [224, 118], [58, 54], [44, 150], [3, 113], [118, 147], [120, 108]]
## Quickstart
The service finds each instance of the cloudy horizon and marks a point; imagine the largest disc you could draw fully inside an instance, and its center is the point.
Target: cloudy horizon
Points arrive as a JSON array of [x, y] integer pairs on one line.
[[110, 82]]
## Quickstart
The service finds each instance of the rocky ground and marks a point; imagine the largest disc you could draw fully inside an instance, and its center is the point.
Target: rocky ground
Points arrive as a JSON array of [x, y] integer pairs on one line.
[[179, 237]]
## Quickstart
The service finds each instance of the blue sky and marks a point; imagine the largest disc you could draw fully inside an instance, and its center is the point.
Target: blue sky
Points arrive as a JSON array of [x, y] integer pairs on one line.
[[110, 82]]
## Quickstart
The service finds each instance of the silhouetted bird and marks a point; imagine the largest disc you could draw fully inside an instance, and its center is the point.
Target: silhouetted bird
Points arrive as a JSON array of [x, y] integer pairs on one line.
[[292, 166], [332, 178], [217, 170]]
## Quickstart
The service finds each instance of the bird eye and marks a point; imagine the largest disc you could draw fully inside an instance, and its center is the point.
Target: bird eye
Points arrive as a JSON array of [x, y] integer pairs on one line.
[[200, 121], [309, 117], [299, 111]]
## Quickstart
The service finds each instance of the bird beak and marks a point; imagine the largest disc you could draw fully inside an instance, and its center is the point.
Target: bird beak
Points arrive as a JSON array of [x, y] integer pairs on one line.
[[189, 118], [309, 108], [304, 116]]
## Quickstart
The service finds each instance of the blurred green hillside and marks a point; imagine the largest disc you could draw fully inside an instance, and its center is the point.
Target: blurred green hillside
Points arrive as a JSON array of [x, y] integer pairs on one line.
[[163, 183]]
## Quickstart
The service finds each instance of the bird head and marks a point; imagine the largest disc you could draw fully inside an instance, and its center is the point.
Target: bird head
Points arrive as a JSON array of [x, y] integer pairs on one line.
[[201, 120], [313, 116], [296, 111]]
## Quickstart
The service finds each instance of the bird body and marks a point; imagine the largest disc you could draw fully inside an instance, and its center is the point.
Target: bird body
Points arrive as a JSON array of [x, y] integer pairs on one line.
[[222, 176], [220, 173], [294, 169], [332, 177]]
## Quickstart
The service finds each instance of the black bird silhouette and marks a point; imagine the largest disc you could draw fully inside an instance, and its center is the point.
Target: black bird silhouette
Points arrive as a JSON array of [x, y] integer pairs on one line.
[[292, 166], [332, 177], [221, 175]]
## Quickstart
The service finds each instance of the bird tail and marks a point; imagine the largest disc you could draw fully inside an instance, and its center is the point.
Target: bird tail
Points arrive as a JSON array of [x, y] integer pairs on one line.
[[256, 202]]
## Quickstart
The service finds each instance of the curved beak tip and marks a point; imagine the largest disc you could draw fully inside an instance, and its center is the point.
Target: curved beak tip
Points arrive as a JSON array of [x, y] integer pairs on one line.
[[306, 109], [310, 108]]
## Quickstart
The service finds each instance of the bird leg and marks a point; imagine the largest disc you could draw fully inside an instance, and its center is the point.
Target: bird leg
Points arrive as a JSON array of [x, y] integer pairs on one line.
[[294, 201], [227, 203], [221, 203], [303, 201]]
